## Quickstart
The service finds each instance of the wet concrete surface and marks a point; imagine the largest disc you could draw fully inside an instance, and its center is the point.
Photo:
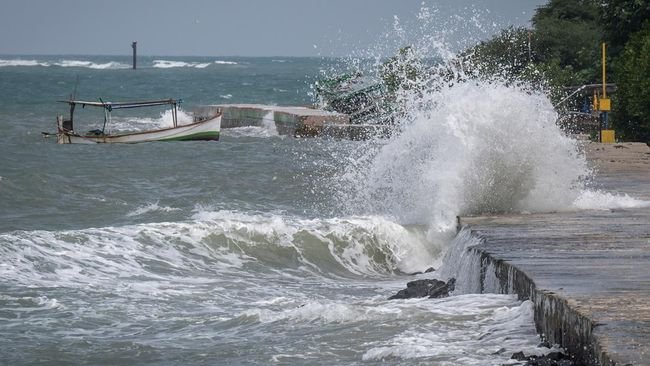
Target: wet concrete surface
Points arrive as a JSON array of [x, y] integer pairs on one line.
[[588, 272]]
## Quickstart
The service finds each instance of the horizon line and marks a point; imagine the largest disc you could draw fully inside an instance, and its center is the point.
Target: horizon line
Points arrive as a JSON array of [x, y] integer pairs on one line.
[[154, 55]]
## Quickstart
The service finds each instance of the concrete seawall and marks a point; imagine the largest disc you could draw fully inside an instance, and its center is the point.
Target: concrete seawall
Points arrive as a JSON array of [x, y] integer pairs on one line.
[[587, 272], [292, 121]]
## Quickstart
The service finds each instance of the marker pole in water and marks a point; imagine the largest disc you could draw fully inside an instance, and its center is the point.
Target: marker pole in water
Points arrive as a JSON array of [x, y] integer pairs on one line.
[[134, 45]]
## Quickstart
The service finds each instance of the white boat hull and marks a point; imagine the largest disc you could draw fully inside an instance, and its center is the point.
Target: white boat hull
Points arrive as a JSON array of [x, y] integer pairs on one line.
[[207, 130]]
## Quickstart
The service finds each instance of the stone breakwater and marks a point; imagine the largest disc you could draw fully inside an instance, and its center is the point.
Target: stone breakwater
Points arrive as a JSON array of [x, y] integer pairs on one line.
[[587, 272]]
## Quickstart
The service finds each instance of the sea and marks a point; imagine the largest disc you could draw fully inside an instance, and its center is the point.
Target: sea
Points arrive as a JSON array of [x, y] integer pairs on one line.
[[260, 249]]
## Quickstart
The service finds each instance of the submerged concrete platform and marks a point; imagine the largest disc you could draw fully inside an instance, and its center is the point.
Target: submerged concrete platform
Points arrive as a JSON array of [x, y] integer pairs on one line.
[[294, 121], [289, 120], [587, 272]]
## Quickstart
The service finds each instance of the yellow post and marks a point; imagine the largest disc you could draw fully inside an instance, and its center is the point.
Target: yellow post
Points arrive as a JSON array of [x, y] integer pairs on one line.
[[604, 73], [607, 136], [604, 106]]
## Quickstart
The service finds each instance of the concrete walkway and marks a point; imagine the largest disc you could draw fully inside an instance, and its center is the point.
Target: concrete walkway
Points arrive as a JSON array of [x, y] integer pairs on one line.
[[292, 121], [587, 272]]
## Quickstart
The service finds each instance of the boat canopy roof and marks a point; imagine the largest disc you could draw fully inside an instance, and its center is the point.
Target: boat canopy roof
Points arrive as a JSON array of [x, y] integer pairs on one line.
[[122, 105]]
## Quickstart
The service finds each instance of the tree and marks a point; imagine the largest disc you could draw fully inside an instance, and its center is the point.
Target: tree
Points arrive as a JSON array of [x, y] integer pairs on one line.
[[401, 72], [631, 115], [505, 56], [569, 34], [621, 19]]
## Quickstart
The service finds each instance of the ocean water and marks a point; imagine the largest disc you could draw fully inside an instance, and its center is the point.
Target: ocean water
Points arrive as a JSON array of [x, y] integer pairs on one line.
[[259, 248]]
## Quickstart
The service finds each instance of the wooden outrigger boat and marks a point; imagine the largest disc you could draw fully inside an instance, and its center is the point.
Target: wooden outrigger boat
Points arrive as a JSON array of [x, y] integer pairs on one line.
[[203, 128]]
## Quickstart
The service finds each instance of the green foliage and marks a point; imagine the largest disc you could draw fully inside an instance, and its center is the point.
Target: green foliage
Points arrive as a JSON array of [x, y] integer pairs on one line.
[[401, 72], [621, 19], [565, 50], [568, 34], [632, 99], [505, 56], [513, 56]]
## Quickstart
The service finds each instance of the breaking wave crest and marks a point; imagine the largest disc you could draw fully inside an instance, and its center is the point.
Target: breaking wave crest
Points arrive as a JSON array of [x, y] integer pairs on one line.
[[166, 64], [110, 65], [92, 65], [20, 62], [221, 241], [65, 63]]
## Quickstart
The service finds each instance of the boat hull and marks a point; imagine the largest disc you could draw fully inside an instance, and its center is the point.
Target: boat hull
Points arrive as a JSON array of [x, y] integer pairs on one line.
[[207, 130]]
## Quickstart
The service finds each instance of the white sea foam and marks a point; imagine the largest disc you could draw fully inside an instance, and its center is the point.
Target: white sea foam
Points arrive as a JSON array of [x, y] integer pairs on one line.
[[152, 207], [461, 330], [92, 65], [169, 64], [166, 119], [465, 330], [249, 131], [111, 256], [266, 129], [268, 124], [601, 200], [66, 63], [165, 64], [21, 62]]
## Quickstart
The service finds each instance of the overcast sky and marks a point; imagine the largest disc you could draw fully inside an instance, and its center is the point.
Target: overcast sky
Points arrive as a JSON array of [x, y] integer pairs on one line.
[[235, 27]]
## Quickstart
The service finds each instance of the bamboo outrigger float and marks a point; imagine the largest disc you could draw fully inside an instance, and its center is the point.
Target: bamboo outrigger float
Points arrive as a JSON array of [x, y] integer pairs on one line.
[[201, 129]]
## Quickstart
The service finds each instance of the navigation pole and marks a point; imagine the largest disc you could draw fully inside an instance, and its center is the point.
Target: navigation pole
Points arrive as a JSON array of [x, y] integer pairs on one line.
[[134, 45]]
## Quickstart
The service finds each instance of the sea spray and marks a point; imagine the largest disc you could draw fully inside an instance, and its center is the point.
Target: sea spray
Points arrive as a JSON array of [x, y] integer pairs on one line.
[[268, 124], [463, 143], [481, 147]]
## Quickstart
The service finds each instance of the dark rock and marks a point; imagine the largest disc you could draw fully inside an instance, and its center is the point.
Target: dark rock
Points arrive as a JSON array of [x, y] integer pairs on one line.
[[544, 344], [429, 270], [443, 291], [541, 362], [565, 363], [426, 287], [519, 356], [551, 359]]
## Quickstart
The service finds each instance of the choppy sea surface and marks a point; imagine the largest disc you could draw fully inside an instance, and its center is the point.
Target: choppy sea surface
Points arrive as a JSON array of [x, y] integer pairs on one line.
[[258, 248]]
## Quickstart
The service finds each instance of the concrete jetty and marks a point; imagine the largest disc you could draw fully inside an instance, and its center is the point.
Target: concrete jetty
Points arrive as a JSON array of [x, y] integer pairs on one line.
[[291, 120], [587, 272]]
